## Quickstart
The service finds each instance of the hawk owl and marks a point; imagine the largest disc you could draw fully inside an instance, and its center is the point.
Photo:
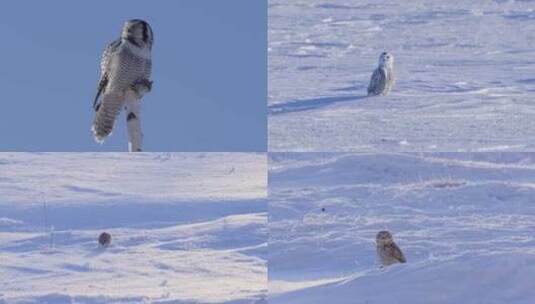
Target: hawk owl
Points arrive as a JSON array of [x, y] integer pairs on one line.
[[125, 77]]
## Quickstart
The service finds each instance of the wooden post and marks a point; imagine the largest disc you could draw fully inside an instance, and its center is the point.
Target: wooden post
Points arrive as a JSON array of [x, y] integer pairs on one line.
[[133, 122]]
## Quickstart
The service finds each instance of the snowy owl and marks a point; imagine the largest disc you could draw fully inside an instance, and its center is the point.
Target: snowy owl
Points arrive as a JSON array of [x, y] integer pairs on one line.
[[125, 77], [104, 239], [382, 79], [388, 252]]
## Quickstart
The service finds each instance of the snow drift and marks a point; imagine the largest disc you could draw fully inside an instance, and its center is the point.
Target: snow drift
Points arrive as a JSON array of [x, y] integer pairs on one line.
[[186, 228], [464, 221]]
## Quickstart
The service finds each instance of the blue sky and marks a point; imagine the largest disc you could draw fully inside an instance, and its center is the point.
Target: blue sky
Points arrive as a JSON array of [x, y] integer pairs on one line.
[[209, 73]]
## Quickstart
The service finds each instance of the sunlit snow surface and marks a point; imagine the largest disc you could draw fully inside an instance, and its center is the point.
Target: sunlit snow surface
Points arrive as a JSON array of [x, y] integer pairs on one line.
[[186, 228], [465, 73], [466, 224]]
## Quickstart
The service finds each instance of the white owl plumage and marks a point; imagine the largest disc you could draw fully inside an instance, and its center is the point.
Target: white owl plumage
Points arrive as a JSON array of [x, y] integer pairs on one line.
[[383, 77], [126, 66]]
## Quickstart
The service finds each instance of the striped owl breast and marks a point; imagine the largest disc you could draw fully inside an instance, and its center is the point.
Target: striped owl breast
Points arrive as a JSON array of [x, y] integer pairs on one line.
[[130, 68]]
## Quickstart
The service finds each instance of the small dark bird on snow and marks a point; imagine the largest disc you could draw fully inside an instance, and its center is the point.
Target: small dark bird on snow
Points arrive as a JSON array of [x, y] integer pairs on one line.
[[387, 250], [104, 239]]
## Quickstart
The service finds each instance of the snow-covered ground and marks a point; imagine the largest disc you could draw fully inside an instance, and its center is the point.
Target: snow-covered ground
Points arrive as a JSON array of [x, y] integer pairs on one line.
[[465, 73], [186, 228], [466, 224]]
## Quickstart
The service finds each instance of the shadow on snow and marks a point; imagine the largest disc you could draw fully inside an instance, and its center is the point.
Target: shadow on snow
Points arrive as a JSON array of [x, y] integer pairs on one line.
[[310, 104]]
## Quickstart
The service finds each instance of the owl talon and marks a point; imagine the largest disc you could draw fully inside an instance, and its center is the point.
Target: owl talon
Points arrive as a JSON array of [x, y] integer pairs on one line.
[[142, 86]]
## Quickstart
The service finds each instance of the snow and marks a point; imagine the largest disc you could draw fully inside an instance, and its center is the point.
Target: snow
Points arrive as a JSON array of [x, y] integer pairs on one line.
[[465, 222], [464, 75], [186, 228]]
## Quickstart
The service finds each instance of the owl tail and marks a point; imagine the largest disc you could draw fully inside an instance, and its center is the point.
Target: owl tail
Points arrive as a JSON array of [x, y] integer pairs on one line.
[[106, 115]]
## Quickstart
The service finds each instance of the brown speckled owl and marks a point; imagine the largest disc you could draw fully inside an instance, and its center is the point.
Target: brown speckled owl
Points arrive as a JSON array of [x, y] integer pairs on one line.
[[387, 251]]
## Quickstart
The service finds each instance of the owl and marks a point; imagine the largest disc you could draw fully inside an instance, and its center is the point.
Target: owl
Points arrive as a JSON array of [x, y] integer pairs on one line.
[[104, 239], [387, 251], [126, 66], [382, 79]]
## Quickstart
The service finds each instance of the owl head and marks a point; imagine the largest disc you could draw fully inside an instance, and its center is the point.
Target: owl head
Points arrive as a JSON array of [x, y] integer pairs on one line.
[[384, 237], [386, 60], [138, 32]]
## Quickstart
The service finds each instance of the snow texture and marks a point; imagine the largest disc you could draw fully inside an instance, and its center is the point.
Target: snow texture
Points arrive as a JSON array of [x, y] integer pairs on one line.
[[464, 74], [186, 228], [465, 222]]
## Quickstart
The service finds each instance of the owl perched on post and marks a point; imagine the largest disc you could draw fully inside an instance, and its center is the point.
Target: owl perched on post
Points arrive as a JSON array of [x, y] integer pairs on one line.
[[383, 78], [387, 251], [125, 77]]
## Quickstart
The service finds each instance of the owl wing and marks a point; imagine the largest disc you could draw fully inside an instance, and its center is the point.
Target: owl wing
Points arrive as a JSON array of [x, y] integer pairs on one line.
[[397, 254], [148, 68], [105, 70], [377, 82]]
